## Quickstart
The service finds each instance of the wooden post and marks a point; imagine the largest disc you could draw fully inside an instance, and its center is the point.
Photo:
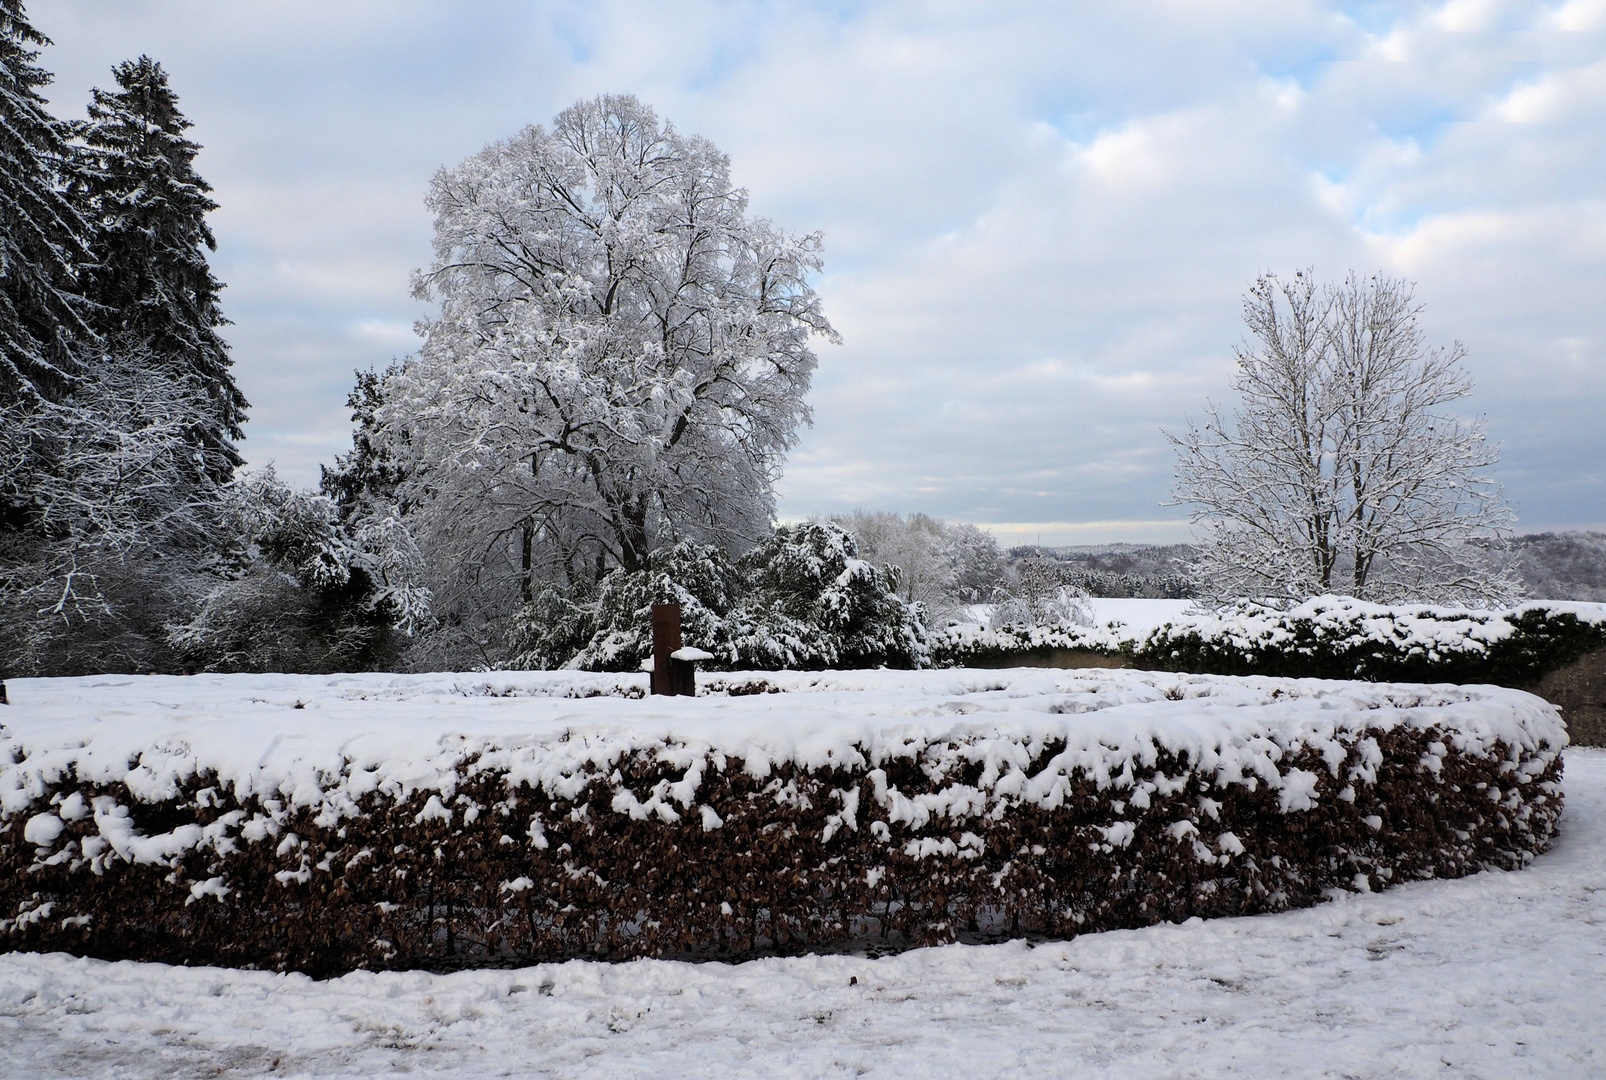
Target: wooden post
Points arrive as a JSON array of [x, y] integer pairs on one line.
[[665, 640], [671, 674], [684, 674]]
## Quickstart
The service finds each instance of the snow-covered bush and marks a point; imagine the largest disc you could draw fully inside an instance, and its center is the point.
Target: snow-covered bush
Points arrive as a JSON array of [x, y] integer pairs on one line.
[[1330, 637], [801, 811], [611, 630], [1040, 593], [298, 589], [801, 599], [1339, 637]]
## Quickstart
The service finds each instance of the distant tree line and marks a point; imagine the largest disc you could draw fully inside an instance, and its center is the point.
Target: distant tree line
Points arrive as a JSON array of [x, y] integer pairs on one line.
[[1140, 571], [1548, 566]]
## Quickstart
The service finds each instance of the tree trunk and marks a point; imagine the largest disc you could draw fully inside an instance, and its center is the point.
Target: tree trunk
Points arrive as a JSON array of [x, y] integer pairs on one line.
[[526, 581], [633, 534]]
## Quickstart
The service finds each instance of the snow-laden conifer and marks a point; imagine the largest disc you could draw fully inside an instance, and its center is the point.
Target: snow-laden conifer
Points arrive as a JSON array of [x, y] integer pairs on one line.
[[43, 240], [151, 279]]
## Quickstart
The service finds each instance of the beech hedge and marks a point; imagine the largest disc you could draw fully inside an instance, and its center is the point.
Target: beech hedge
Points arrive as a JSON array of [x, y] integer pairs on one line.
[[1327, 638], [674, 852]]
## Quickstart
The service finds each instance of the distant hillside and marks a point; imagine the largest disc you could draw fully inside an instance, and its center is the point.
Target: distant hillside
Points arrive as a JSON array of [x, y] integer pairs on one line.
[[1553, 566], [1563, 566], [1156, 571]]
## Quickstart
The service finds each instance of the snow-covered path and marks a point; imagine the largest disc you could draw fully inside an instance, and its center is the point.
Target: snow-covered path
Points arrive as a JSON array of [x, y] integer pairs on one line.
[[1500, 976]]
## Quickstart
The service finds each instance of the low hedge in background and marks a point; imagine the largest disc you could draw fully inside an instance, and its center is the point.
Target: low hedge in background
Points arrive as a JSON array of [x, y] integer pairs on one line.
[[665, 851], [1327, 637]]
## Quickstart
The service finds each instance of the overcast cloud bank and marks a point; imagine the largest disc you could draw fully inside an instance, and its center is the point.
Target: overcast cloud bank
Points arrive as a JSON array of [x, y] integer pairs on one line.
[[1039, 219]]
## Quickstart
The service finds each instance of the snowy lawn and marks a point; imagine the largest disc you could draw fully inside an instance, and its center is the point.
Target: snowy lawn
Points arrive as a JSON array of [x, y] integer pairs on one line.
[[1137, 615], [1497, 975]]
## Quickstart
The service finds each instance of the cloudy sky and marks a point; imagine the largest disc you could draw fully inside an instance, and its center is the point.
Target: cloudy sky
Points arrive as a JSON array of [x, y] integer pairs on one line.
[[1039, 218]]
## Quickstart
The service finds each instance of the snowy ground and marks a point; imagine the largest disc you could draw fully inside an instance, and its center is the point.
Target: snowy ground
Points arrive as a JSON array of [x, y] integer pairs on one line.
[[1139, 616], [1500, 975]]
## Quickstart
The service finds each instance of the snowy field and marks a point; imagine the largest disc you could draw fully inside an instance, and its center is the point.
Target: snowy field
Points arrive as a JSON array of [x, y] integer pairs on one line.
[[1501, 975], [1137, 616]]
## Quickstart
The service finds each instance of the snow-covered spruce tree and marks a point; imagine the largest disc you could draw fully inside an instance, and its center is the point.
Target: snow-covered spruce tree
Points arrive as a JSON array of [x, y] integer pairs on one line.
[[43, 241], [367, 473], [45, 339], [1339, 470], [620, 360], [156, 295], [112, 469], [44, 319]]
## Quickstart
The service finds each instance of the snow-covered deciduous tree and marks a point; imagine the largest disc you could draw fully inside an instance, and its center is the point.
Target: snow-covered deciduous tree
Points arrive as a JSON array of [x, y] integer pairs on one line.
[[620, 359], [155, 294], [941, 565], [1339, 470], [1038, 591], [124, 477], [116, 525]]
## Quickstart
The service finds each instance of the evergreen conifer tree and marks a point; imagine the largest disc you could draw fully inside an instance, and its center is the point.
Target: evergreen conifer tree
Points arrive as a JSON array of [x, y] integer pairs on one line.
[[44, 323], [156, 295], [369, 472]]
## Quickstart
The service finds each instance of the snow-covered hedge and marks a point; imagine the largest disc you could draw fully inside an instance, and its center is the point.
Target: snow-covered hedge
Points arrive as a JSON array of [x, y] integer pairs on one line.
[[437, 821], [1326, 637]]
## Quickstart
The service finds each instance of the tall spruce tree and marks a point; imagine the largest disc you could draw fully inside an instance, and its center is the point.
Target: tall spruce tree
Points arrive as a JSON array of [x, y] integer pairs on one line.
[[156, 295], [44, 323]]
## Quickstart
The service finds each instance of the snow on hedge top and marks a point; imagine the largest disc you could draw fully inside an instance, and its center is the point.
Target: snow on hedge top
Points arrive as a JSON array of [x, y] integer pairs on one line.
[[326, 741]]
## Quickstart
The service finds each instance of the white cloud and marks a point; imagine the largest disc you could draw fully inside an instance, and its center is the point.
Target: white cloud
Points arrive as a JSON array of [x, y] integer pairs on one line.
[[1577, 16]]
